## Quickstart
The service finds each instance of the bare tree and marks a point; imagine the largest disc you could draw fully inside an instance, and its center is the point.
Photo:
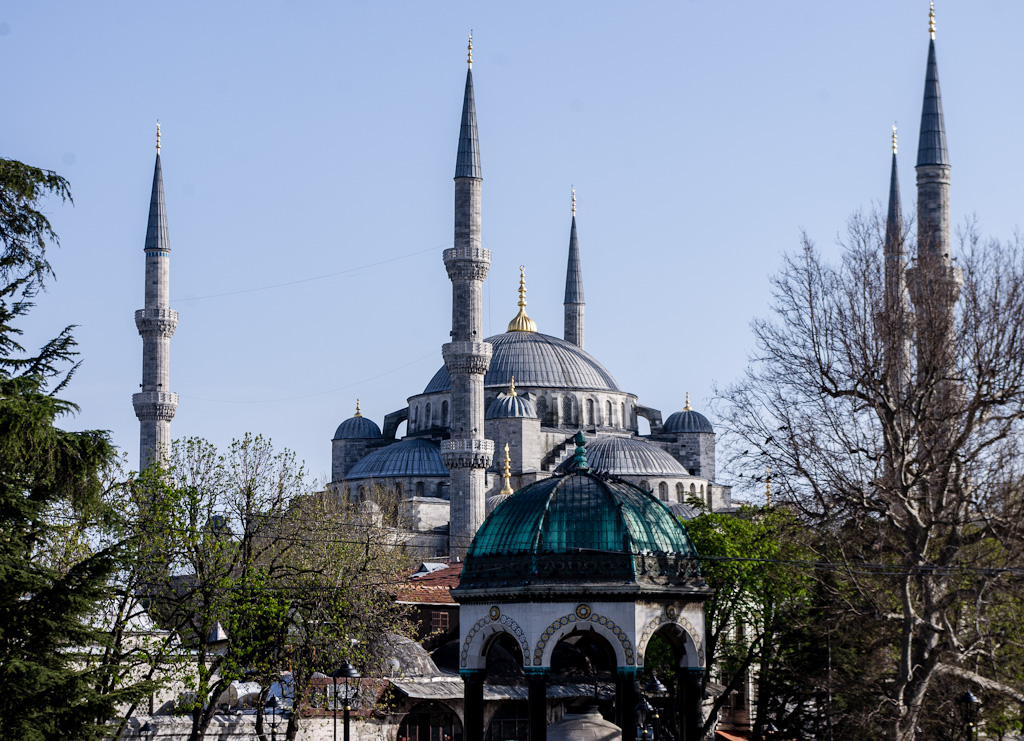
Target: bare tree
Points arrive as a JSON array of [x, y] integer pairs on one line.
[[908, 462]]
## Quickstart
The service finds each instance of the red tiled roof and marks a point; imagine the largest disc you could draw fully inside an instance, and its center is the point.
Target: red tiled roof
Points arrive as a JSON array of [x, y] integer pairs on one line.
[[432, 588]]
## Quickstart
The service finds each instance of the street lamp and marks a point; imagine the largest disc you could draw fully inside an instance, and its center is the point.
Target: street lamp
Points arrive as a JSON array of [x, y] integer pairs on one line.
[[971, 705], [655, 689], [643, 709], [273, 703], [346, 671]]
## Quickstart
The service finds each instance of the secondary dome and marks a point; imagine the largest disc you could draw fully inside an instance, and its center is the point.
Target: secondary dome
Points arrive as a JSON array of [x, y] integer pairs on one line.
[[511, 407], [401, 460], [536, 360], [687, 421], [629, 456], [357, 427], [579, 527]]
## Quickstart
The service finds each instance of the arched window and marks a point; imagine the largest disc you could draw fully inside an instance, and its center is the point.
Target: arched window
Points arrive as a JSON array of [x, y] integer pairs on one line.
[[681, 492], [441, 490], [702, 490], [693, 489], [608, 414], [623, 417], [567, 410], [590, 412], [419, 488], [426, 417], [645, 486], [663, 491], [444, 413], [542, 410]]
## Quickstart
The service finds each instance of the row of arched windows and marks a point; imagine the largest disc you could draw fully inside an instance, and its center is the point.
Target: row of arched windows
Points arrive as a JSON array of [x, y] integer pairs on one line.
[[428, 419], [682, 492]]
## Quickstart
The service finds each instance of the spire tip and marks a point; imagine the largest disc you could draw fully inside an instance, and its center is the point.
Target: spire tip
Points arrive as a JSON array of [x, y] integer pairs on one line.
[[574, 201], [931, 20], [158, 137], [358, 413], [687, 408], [894, 138], [521, 322], [469, 58]]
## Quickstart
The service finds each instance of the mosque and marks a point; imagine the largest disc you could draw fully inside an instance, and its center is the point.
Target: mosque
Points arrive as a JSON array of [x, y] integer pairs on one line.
[[502, 411]]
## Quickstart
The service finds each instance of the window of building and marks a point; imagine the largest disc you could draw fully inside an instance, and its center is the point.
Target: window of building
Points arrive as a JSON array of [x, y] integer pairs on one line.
[[567, 410], [608, 413], [663, 491], [444, 413], [439, 621], [680, 492], [426, 416]]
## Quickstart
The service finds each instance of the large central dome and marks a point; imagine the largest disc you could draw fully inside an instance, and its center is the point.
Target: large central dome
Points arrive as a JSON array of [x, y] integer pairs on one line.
[[538, 361]]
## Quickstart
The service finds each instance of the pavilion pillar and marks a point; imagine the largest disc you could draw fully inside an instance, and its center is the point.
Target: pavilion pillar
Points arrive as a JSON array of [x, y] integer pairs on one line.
[[473, 679], [626, 698], [693, 704], [538, 687]]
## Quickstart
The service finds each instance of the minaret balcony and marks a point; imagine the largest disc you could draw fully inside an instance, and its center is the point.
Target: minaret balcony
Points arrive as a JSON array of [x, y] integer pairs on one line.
[[467, 453], [156, 321], [155, 404], [467, 357]]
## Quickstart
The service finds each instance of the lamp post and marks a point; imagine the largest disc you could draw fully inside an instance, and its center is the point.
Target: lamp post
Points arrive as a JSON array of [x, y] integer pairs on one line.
[[346, 671], [643, 709], [655, 689], [273, 703], [971, 705]]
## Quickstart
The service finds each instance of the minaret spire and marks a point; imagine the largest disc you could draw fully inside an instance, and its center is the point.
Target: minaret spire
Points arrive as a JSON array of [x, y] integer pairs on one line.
[[574, 305], [894, 319], [932, 164], [467, 454], [155, 405]]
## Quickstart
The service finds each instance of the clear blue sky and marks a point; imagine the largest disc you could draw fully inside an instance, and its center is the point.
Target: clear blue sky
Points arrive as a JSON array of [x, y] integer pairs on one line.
[[311, 139]]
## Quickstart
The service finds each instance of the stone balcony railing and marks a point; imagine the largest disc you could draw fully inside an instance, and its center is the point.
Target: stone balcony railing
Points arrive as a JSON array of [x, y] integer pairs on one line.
[[467, 453]]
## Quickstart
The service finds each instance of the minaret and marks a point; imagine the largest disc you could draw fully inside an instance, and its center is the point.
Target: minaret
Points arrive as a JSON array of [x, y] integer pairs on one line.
[[934, 282], [467, 357], [893, 323], [155, 404], [574, 286], [932, 165]]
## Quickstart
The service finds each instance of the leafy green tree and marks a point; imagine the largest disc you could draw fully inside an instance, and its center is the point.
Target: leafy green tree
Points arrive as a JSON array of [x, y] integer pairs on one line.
[[747, 558], [49, 609]]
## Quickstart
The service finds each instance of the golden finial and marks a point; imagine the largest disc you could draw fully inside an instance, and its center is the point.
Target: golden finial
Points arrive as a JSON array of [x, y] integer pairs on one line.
[[687, 408], [512, 387], [768, 486], [358, 413], [894, 138], [470, 48], [573, 201], [158, 137], [931, 20], [521, 322], [507, 488]]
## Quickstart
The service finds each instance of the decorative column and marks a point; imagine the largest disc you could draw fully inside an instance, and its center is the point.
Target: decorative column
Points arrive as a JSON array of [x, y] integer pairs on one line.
[[537, 679], [155, 404], [473, 728], [467, 454], [626, 699], [693, 704]]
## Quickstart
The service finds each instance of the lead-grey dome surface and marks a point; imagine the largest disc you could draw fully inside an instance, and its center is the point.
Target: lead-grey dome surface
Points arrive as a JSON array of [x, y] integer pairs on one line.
[[536, 360], [687, 421], [357, 428], [511, 407], [401, 460], [628, 456]]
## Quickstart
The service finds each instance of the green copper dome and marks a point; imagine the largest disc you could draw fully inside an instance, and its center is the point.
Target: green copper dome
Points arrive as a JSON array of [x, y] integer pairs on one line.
[[580, 526]]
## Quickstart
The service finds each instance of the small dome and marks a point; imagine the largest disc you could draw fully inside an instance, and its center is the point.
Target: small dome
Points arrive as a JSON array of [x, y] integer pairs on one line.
[[687, 421], [629, 456], [584, 725], [508, 406], [493, 501], [357, 428], [580, 525], [403, 459]]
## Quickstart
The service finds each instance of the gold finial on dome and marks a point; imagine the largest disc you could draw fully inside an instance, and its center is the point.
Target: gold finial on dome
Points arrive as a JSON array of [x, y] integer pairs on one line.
[[506, 475], [521, 322], [687, 408], [894, 138], [768, 486], [512, 387], [158, 137], [931, 19], [469, 59], [358, 413], [574, 201]]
